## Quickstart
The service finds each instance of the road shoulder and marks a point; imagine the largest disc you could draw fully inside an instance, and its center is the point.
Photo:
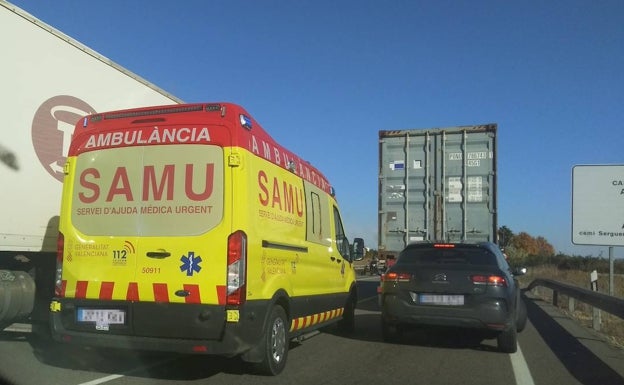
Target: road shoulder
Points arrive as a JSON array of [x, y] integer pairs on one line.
[[593, 341]]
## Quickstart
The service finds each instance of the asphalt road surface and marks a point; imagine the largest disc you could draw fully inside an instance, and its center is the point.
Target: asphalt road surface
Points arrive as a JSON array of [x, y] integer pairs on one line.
[[553, 350]]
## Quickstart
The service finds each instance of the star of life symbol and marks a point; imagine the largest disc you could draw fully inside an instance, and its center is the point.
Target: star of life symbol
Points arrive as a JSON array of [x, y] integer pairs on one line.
[[190, 264]]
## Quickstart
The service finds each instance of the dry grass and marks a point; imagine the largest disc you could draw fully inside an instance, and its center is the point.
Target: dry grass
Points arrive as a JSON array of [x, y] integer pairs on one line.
[[612, 327]]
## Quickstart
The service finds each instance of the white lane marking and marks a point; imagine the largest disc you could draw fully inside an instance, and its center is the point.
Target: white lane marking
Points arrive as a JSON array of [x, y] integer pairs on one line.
[[103, 379], [520, 368]]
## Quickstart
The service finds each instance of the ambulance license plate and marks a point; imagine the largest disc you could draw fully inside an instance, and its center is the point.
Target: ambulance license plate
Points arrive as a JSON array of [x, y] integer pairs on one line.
[[102, 316]]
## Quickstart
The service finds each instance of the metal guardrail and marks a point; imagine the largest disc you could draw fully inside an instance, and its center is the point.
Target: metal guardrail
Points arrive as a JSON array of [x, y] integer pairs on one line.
[[607, 303]]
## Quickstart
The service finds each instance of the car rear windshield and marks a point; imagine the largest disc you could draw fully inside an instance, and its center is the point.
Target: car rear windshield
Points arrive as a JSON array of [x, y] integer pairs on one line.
[[456, 255]]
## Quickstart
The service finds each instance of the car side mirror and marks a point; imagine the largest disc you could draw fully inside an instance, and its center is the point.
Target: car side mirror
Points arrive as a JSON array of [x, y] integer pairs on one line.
[[519, 271]]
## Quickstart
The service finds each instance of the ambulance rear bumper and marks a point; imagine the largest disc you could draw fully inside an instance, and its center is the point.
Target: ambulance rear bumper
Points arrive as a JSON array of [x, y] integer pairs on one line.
[[181, 328]]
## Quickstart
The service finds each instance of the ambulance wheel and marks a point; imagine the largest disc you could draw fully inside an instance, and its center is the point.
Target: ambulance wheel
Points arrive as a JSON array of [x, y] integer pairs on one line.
[[347, 324], [275, 343]]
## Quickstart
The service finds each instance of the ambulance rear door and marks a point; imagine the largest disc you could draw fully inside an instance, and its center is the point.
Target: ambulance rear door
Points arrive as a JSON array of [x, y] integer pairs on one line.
[[156, 218]]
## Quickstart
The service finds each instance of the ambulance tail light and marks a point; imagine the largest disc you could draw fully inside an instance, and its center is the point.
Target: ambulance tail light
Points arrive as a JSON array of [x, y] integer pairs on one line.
[[237, 268], [58, 275]]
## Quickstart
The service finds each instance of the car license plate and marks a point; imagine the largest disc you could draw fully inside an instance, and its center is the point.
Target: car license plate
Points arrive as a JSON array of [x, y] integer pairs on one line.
[[102, 316], [441, 299]]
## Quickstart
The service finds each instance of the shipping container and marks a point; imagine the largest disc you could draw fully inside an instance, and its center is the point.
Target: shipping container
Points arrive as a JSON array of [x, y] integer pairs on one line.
[[437, 184]]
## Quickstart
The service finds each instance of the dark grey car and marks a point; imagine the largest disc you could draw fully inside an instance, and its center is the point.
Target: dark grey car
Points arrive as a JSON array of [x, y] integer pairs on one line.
[[453, 285]]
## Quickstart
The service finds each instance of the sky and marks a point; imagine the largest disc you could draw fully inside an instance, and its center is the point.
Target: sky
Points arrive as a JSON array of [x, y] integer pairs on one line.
[[323, 77]]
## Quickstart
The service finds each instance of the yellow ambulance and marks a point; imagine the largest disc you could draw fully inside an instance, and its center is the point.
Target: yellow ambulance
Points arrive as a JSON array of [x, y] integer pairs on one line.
[[187, 228]]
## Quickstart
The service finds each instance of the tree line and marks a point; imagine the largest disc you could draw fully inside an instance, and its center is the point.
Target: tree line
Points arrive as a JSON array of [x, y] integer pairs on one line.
[[523, 249]]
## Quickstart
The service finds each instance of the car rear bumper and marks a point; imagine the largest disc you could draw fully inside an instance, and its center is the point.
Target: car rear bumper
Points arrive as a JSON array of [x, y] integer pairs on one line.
[[492, 314]]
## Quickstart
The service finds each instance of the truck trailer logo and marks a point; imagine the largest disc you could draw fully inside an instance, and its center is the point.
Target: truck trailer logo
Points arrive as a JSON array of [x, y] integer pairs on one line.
[[52, 130]]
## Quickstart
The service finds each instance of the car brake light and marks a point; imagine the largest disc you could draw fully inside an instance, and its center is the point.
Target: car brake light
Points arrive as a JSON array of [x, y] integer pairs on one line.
[[497, 280], [236, 268], [444, 246], [59, 289], [489, 280], [396, 276]]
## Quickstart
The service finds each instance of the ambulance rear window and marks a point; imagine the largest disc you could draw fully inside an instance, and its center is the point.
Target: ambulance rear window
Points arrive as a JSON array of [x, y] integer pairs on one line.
[[166, 190]]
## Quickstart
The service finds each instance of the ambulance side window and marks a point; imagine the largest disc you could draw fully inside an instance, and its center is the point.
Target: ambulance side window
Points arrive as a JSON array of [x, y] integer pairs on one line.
[[341, 239], [318, 215]]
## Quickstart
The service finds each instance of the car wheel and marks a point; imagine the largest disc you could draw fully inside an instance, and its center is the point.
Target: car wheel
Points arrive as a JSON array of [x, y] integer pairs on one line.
[[275, 343], [508, 340], [347, 324], [390, 332], [522, 315]]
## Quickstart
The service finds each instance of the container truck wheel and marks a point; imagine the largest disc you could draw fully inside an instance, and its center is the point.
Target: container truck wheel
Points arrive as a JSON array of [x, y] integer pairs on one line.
[[275, 343]]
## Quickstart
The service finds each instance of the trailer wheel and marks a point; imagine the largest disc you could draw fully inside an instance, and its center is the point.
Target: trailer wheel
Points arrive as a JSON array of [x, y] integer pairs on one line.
[[275, 343]]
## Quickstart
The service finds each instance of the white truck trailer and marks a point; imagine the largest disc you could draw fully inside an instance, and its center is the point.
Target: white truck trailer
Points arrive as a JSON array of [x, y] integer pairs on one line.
[[49, 81]]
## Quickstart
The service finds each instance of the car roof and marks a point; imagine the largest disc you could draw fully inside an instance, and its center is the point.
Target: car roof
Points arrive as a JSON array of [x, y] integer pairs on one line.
[[446, 249], [425, 244]]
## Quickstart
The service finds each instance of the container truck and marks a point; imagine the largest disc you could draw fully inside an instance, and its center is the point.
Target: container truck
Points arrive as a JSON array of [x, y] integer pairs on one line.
[[49, 81], [436, 184]]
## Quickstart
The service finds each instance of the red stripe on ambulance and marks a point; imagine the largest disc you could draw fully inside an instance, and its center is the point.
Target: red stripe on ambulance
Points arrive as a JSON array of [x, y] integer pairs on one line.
[[160, 292], [193, 296], [311, 320], [63, 288], [133, 292], [81, 289], [221, 294], [106, 290]]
